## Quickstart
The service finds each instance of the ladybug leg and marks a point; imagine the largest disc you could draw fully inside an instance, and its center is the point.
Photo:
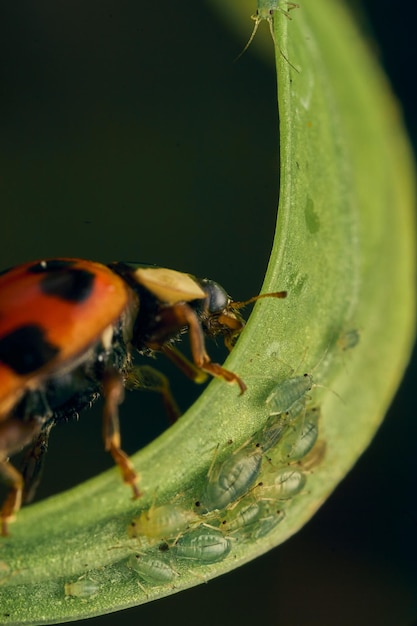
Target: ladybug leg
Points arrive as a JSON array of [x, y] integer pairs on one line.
[[185, 365], [33, 463], [113, 392], [13, 501], [14, 435], [185, 316], [150, 379]]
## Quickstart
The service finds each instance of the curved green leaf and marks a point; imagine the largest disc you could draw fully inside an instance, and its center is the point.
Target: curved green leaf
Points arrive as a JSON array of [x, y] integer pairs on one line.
[[344, 251]]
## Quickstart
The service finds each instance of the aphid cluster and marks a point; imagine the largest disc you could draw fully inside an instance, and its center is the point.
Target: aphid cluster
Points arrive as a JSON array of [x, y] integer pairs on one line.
[[245, 495]]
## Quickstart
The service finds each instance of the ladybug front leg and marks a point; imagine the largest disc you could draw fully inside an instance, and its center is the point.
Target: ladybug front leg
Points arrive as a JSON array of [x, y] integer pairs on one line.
[[187, 367], [14, 435], [113, 392], [185, 316]]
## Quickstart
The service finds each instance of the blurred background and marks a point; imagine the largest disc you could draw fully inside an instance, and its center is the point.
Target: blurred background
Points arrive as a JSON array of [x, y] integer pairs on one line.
[[127, 132]]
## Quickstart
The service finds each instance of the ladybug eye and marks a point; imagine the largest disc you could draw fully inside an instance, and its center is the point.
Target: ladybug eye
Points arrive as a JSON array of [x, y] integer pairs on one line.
[[217, 298]]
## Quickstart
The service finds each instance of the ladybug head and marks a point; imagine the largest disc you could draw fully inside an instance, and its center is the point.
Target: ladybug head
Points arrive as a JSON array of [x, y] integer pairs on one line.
[[217, 314]]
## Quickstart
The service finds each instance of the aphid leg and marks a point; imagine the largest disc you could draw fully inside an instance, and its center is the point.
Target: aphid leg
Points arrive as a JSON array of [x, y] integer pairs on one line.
[[290, 7], [14, 435], [149, 379], [185, 316], [113, 392]]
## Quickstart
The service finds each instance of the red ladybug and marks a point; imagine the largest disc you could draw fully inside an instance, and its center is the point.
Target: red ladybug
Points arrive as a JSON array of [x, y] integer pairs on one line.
[[68, 332]]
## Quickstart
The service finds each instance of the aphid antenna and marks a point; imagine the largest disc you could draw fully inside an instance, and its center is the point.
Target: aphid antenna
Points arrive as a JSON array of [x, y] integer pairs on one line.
[[198, 575], [143, 588], [86, 575], [192, 525], [173, 541], [260, 17], [236, 451], [126, 546], [244, 496], [209, 516], [315, 385], [139, 584], [311, 372], [211, 527], [249, 443], [264, 498], [292, 369], [318, 386], [213, 461], [137, 552], [277, 512], [250, 494]]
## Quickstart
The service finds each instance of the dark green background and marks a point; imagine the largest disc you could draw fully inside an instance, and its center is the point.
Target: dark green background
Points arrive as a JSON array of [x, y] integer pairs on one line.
[[127, 132]]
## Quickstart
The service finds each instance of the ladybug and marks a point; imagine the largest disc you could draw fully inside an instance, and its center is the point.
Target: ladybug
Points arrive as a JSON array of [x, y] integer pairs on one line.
[[69, 329]]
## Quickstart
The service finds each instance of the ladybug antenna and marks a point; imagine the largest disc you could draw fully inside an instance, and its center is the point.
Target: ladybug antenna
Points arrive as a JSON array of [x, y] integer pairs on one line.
[[273, 294]]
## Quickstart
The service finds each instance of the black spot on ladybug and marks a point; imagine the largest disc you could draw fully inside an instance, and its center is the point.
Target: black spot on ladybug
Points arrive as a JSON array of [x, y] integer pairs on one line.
[[50, 266], [63, 280], [26, 349], [6, 271], [72, 284]]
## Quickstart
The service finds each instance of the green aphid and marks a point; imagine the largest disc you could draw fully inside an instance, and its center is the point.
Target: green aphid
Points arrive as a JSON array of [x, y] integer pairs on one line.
[[288, 396], [161, 522], [243, 515], [203, 544], [151, 569], [349, 339], [252, 520], [82, 588], [272, 433], [266, 523], [286, 484], [231, 479], [301, 436]]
